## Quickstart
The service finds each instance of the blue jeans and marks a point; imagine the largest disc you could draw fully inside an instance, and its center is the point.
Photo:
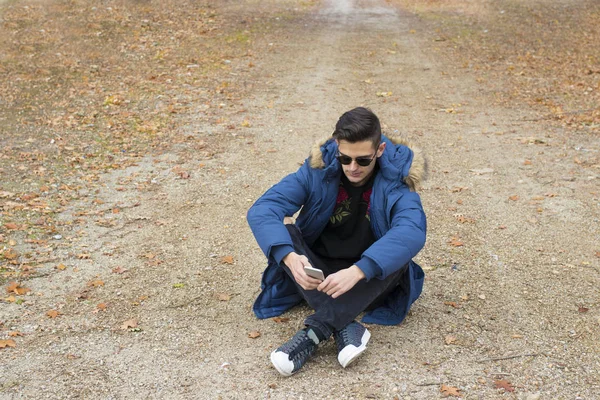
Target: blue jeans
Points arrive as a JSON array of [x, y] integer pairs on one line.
[[334, 314]]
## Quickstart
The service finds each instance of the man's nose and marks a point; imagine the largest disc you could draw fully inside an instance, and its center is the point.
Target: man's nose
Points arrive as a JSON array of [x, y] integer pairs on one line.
[[354, 165]]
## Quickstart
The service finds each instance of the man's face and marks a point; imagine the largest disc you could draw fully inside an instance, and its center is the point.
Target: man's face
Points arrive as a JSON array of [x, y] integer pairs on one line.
[[356, 174]]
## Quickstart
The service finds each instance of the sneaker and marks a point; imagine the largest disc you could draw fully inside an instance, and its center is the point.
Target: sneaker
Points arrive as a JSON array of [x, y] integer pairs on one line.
[[292, 355], [351, 342]]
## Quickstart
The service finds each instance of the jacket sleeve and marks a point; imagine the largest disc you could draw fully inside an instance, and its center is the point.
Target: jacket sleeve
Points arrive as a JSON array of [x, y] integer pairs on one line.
[[266, 215], [402, 242]]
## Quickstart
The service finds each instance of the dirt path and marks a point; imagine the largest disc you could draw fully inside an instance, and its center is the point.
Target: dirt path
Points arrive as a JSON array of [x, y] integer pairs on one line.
[[510, 255]]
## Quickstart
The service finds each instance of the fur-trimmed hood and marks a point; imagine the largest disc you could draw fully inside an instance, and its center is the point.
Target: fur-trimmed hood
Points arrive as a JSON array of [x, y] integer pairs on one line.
[[400, 160]]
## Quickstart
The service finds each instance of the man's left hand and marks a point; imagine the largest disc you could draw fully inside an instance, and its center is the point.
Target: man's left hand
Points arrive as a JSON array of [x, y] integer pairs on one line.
[[339, 283]]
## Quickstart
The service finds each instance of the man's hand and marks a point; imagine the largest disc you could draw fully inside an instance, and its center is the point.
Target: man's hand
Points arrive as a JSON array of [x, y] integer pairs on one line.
[[339, 283], [296, 263]]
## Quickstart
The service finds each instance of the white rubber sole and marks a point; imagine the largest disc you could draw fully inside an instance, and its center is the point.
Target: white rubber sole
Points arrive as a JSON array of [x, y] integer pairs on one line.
[[282, 363], [351, 352]]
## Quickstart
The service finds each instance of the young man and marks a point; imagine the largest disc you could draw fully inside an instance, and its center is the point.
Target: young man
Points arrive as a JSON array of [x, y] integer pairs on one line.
[[361, 223]]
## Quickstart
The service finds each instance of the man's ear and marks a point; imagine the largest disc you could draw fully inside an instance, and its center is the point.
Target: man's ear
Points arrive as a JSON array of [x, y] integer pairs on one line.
[[381, 149]]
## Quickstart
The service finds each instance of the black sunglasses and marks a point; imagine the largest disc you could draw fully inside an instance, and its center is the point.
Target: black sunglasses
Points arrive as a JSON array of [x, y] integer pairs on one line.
[[362, 161]]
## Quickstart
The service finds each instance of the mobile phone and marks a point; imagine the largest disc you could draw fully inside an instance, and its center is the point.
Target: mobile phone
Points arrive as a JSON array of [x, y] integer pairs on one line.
[[314, 273]]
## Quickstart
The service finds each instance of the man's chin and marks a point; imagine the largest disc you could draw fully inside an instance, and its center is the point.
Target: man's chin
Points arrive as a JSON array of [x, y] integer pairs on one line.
[[355, 179]]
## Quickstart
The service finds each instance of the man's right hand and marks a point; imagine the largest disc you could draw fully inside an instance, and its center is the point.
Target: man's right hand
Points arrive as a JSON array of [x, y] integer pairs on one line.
[[296, 263]]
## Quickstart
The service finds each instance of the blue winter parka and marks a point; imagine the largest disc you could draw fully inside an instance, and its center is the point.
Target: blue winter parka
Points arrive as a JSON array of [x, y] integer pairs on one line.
[[397, 220]]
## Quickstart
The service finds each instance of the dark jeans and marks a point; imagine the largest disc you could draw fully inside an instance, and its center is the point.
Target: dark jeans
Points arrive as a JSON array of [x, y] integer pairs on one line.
[[334, 314]]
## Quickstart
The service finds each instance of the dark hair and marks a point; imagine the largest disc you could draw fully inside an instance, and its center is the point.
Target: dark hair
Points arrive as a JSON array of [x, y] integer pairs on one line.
[[358, 125]]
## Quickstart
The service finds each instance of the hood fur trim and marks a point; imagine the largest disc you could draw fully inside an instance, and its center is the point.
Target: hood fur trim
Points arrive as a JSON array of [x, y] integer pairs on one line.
[[418, 169]]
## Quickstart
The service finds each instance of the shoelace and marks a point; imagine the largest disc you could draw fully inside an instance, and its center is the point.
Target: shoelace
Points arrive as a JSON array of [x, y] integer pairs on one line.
[[301, 345], [345, 337]]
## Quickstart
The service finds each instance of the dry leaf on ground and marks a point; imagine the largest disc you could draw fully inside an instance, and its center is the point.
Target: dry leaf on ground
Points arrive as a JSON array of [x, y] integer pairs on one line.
[[450, 391], [504, 384], [7, 343], [583, 309], [130, 324], [449, 339], [10, 254], [11, 226], [455, 242], [223, 296], [227, 260], [254, 334], [53, 313], [280, 319], [17, 289]]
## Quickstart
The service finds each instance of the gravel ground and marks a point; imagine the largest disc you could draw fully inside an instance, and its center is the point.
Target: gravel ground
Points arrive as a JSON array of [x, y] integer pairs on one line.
[[511, 296]]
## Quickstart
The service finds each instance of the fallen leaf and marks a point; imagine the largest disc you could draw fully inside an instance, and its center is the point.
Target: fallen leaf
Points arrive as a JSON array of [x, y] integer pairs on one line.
[[280, 319], [12, 242], [227, 260], [583, 309], [84, 256], [183, 174], [455, 242], [450, 391], [517, 336], [52, 313], [119, 270], [61, 267], [129, 324], [514, 197], [15, 334], [10, 299], [101, 306], [10, 254], [223, 296], [458, 189], [452, 304], [271, 150], [96, 283], [17, 289], [7, 343], [527, 162], [254, 334], [11, 226], [598, 254], [449, 339], [504, 384]]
